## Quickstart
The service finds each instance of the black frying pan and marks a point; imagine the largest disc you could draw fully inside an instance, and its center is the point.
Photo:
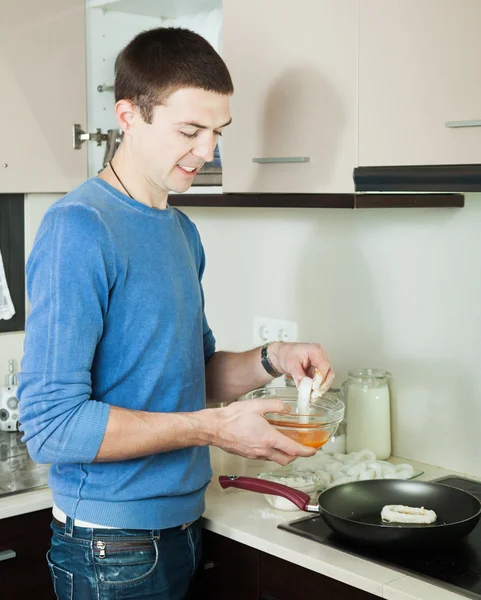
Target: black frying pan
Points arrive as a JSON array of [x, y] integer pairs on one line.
[[353, 510]]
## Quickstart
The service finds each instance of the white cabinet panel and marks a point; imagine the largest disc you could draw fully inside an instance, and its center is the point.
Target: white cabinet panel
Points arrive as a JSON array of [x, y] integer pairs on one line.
[[294, 68], [419, 68], [43, 93]]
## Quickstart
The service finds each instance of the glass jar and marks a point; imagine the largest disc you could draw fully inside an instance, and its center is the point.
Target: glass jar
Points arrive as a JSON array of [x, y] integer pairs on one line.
[[368, 411], [337, 443]]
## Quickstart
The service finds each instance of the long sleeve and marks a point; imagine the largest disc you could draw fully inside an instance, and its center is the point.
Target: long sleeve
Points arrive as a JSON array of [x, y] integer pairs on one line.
[[208, 336], [69, 276]]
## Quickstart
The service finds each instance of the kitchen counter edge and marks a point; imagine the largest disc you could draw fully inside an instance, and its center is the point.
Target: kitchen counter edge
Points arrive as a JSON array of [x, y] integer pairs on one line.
[[246, 517]]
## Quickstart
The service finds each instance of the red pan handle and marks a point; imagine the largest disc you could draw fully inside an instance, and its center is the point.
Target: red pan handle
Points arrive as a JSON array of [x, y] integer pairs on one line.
[[262, 486]]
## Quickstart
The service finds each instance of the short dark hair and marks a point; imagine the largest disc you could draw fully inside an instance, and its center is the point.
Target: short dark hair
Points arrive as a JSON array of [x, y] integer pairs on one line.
[[160, 61]]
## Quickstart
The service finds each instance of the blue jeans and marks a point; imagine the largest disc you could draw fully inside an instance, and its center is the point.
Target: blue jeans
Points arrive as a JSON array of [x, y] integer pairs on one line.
[[123, 564]]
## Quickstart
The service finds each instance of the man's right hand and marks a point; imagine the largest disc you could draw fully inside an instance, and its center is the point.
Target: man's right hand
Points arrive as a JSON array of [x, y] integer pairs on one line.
[[241, 428]]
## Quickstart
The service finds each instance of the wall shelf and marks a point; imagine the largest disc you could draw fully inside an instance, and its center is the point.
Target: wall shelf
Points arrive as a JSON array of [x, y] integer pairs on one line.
[[319, 200], [167, 9]]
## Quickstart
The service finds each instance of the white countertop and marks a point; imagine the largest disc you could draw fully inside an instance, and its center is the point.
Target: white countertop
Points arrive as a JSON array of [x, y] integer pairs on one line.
[[247, 518], [25, 502]]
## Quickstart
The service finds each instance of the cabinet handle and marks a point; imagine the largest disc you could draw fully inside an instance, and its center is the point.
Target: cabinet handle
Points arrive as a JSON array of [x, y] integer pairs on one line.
[[463, 123], [282, 159], [7, 555], [105, 88]]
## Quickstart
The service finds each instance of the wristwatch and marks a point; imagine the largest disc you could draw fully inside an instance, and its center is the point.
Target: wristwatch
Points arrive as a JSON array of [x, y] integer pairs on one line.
[[266, 363]]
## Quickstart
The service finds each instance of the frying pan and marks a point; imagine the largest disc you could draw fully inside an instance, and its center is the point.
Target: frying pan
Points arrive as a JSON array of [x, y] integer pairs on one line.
[[353, 510]]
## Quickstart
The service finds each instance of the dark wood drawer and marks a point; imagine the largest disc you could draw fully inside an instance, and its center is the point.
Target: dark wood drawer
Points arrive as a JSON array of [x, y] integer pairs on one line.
[[26, 576], [282, 580], [237, 572], [230, 571]]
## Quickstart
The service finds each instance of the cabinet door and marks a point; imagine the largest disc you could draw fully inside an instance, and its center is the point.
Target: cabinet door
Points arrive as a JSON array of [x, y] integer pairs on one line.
[[230, 571], [24, 541], [42, 70], [281, 580], [294, 69], [238, 572], [418, 70]]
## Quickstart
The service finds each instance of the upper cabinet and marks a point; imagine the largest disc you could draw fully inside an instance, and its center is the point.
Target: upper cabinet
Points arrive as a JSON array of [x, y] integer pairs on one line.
[[419, 82], [42, 70], [111, 24], [294, 110], [322, 88], [164, 9]]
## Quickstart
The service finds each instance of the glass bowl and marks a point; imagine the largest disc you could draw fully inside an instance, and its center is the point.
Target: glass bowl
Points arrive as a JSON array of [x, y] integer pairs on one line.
[[315, 427], [305, 482]]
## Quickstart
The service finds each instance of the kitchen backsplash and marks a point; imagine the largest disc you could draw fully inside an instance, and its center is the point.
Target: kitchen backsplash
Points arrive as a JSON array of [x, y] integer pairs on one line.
[[395, 289]]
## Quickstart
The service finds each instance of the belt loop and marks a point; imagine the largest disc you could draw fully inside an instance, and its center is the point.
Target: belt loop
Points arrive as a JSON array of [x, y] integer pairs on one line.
[[69, 527], [156, 534]]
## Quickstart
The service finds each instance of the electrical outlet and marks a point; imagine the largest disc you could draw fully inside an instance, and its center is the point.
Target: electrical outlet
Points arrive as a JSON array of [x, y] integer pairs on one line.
[[273, 330]]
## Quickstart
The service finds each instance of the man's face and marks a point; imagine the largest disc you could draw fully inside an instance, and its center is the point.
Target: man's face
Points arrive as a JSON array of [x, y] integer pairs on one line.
[[181, 138]]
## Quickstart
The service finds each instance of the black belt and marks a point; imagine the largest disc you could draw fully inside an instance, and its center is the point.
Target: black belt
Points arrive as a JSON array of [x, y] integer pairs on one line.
[[181, 527]]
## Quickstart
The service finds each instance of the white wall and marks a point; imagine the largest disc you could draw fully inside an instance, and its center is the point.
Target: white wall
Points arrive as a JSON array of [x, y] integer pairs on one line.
[[389, 288]]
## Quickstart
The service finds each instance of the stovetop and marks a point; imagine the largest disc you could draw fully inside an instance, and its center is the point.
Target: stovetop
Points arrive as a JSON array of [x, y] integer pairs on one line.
[[457, 568]]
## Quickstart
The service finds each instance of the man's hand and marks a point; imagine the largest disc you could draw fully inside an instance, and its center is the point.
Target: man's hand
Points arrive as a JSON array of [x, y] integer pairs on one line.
[[240, 428], [299, 360]]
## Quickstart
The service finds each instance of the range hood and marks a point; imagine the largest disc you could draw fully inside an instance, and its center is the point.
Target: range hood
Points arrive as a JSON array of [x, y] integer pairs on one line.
[[419, 178]]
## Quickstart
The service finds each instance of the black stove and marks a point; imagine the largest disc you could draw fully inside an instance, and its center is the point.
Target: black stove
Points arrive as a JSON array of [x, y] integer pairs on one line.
[[457, 568]]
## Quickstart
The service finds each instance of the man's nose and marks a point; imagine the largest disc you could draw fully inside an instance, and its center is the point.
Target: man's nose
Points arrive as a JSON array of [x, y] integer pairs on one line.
[[205, 151]]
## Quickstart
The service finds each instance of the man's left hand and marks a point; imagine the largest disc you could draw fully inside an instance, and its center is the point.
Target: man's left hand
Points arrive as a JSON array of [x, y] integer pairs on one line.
[[299, 360]]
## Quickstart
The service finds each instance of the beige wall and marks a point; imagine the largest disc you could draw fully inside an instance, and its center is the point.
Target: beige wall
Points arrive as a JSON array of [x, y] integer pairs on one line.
[[395, 289]]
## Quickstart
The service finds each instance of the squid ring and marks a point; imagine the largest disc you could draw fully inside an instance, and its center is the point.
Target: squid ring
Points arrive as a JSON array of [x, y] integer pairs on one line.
[[397, 513]]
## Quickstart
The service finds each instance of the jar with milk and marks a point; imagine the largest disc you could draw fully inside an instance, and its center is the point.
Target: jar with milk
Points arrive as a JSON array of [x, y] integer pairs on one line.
[[368, 411]]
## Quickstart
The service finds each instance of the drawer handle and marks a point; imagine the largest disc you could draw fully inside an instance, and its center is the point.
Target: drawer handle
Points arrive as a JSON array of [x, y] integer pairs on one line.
[[282, 159], [7, 555], [463, 123]]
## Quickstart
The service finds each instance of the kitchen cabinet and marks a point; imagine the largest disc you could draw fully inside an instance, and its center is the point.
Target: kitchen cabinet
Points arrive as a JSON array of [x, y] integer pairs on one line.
[[111, 24], [49, 65], [170, 9], [24, 542], [42, 70], [294, 110], [419, 84], [237, 572], [230, 570], [295, 129]]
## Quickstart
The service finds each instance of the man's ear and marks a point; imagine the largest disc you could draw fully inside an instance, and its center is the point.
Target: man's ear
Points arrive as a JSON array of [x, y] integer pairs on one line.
[[127, 114]]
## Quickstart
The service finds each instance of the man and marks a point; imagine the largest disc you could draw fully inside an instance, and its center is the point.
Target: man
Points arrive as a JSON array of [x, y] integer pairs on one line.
[[118, 353]]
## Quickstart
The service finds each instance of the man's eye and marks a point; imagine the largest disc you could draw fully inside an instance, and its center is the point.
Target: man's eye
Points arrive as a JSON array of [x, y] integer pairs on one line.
[[189, 135], [219, 133]]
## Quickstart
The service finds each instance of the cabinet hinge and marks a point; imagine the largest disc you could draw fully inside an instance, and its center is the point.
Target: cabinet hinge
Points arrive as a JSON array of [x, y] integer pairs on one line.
[[112, 139]]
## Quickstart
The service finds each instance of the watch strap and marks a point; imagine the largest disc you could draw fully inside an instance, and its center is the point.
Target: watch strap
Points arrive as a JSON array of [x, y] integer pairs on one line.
[[266, 363]]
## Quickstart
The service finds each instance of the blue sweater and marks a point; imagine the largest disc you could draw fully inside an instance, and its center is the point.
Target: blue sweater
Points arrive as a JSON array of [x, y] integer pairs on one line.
[[117, 318]]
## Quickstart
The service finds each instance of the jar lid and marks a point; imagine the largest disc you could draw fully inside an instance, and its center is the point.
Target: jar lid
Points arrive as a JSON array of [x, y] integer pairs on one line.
[[372, 374]]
